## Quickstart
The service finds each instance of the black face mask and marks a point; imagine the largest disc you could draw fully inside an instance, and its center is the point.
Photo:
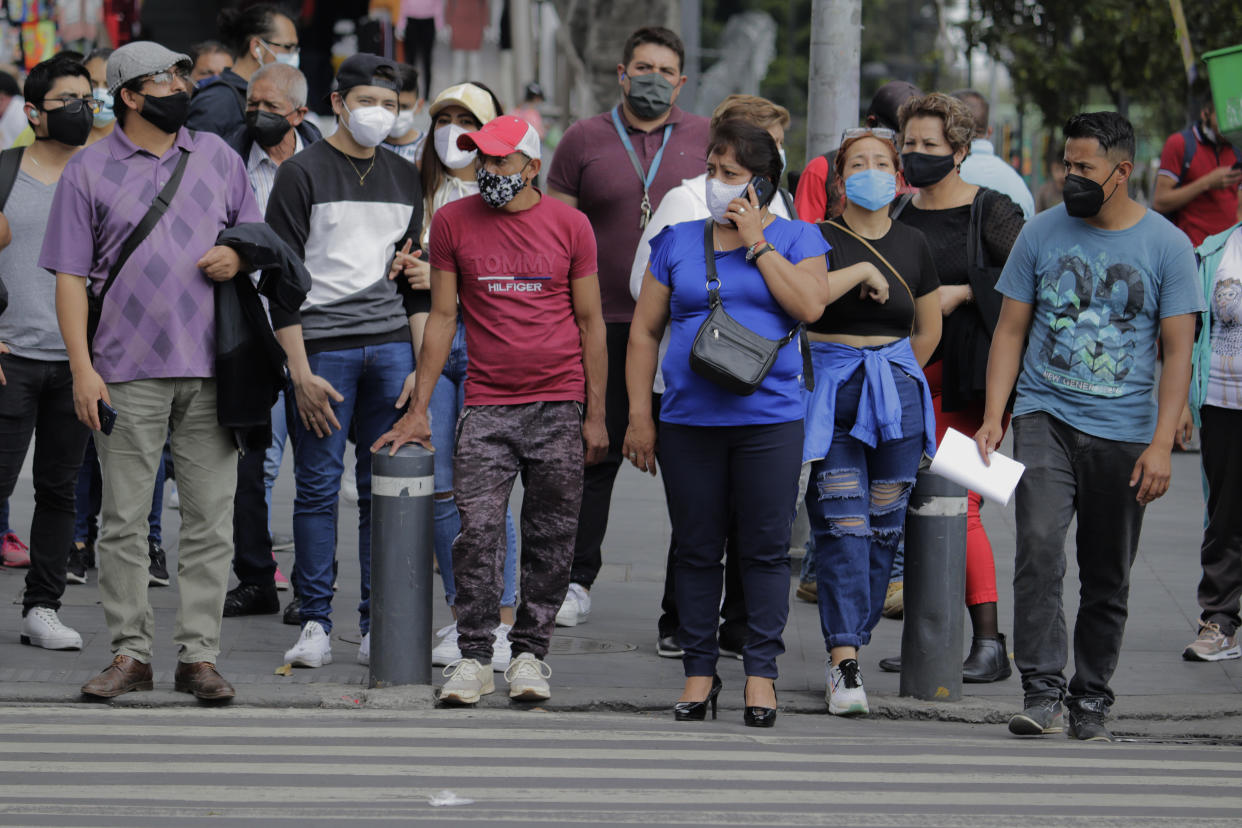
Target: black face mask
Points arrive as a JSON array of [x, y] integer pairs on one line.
[[166, 113], [650, 95], [70, 125], [924, 170], [267, 128], [1083, 197]]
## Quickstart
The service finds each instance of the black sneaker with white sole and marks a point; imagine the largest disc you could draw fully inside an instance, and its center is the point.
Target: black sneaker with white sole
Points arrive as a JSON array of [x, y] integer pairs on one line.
[[75, 571], [1042, 715], [158, 572], [1086, 720]]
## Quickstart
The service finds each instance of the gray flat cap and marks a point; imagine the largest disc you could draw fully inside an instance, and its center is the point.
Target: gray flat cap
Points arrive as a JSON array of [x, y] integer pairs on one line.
[[142, 57]]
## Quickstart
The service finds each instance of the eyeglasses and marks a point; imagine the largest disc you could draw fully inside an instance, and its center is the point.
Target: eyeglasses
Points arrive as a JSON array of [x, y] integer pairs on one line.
[[168, 76], [291, 48], [74, 105], [883, 133]]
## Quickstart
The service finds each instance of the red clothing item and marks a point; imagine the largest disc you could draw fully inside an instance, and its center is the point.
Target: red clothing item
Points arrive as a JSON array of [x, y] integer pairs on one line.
[[811, 199], [513, 276], [1213, 211], [591, 165], [980, 563]]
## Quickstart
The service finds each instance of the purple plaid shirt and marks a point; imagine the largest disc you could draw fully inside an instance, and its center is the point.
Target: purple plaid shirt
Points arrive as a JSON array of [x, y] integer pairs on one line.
[[158, 319]]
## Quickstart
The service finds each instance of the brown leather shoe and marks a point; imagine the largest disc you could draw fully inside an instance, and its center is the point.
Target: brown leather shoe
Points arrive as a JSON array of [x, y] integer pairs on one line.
[[123, 674], [201, 679]]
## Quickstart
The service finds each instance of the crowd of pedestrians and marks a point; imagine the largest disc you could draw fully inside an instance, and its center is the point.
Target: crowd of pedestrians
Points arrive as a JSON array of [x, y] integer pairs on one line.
[[198, 278]]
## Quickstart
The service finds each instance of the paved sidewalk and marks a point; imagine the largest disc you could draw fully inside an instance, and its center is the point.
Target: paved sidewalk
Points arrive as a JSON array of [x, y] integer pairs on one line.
[[609, 663]]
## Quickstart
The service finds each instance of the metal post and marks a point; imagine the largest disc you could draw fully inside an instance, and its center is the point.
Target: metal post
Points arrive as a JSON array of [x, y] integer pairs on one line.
[[832, 84], [402, 486], [934, 590]]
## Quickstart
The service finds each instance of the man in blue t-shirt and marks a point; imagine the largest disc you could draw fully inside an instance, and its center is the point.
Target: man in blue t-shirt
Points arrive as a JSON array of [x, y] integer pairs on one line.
[[1094, 283]]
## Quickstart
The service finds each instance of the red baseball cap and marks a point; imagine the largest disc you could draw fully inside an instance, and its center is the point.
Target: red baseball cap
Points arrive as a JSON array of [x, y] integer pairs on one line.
[[502, 136]]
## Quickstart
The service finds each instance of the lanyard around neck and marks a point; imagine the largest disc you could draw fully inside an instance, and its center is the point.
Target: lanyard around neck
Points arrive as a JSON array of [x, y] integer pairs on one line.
[[645, 178]]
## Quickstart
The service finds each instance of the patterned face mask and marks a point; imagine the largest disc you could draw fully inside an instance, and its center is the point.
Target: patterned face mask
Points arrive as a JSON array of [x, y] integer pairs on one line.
[[498, 190]]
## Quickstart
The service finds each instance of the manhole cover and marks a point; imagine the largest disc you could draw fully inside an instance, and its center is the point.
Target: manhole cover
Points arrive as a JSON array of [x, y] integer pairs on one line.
[[570, 645]]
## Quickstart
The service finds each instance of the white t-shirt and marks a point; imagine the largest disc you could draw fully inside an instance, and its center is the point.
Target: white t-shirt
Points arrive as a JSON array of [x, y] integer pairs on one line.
[[1224, 387]]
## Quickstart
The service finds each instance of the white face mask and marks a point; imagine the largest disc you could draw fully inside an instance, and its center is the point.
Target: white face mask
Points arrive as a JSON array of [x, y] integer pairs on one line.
[[446, 147], [370, 125], [719, 195], [403, 124], [286, 58]]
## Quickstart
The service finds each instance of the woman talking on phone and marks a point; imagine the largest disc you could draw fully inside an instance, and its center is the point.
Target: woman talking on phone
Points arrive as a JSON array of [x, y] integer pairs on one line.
[[869, 418], [724, 448]]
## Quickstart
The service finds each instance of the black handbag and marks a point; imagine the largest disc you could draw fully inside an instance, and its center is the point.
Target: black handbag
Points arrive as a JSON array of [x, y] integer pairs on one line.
[[725, 351]]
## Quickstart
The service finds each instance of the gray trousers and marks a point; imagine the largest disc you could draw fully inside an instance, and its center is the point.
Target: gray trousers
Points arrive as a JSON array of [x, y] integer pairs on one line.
[[1067, 473]]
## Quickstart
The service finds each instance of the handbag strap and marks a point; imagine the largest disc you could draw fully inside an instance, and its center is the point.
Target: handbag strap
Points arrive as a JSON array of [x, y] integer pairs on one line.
[[10, 165], [713, 292], [147, 224], [847, 231], [975, 257]]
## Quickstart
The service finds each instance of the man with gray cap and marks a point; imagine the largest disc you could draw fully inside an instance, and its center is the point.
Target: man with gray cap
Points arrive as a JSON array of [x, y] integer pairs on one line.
[[134, 300]]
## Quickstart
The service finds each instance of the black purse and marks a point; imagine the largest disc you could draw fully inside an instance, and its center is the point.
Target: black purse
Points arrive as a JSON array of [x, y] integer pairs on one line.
[[725, 351]]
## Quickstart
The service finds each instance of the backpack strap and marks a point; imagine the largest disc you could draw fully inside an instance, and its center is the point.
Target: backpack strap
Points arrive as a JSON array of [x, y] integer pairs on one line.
[[10, 164], [1190, 143], [900, 205]]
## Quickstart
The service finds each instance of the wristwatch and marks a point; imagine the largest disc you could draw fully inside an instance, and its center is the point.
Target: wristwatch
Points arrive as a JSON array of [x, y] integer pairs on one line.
[[755, 251]]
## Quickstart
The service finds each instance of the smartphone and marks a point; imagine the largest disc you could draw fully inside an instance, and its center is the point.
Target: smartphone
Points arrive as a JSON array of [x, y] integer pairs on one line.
[[765, 190], [107, 417]]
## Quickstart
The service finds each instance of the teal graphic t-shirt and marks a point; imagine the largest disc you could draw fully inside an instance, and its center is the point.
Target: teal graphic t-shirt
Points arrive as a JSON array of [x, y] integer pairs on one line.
[[1098, 297]]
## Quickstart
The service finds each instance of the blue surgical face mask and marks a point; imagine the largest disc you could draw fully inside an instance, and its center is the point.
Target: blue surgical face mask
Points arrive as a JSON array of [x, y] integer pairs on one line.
[[105, 115], [871, 189]]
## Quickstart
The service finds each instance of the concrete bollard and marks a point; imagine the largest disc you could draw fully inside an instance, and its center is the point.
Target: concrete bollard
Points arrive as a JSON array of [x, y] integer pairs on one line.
[[402, 486], [934, 590]]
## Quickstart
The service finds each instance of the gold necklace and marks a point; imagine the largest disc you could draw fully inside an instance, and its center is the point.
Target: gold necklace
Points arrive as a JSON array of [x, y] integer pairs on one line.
[[362, 176]]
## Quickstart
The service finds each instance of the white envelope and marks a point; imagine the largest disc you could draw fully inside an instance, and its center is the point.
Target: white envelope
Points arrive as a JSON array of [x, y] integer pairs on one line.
[[958, 459]]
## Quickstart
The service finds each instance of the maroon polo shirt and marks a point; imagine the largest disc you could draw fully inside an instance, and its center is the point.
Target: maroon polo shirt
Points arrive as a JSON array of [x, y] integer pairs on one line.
[[592, 165]]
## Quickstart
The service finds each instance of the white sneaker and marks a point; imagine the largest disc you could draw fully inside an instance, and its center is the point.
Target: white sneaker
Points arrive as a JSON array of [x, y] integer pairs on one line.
[[42, 628], [576, 608], [846, 696], [528, 679], [501, 651], [364, 650], [468, 681], [314, 648], [446, 652]]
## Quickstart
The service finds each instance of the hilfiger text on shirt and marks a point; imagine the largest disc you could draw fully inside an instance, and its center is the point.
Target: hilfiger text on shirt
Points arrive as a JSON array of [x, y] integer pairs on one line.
[[501, 271]]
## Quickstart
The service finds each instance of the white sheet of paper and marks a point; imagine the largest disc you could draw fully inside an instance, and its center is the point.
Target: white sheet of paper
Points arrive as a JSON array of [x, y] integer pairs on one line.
[[958, 459]]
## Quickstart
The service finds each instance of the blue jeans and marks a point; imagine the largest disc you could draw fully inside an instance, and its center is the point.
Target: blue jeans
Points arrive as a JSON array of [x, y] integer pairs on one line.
[[447, 400], [370, 379], [856, 504], [275, 454]]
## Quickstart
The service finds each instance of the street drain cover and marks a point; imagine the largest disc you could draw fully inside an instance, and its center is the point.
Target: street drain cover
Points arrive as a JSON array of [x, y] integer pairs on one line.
[[572, 645]]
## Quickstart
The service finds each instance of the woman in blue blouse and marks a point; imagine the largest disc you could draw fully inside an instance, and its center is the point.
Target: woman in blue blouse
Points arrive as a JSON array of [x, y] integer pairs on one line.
[[728, 456]]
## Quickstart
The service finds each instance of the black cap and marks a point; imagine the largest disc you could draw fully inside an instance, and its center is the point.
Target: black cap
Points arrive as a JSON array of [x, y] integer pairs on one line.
[[359, 70], [534, 90], [888, 100]]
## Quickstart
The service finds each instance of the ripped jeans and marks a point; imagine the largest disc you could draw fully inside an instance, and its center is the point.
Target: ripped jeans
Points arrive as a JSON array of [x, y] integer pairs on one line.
[[856, 503]]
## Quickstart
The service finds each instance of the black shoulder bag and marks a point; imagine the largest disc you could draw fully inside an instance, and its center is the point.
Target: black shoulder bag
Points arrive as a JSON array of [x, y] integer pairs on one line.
[[137, 237], [10, 164], [725, 351]]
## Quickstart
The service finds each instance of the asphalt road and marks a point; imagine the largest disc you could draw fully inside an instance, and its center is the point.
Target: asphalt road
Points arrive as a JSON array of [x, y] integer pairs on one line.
[[100, 767]]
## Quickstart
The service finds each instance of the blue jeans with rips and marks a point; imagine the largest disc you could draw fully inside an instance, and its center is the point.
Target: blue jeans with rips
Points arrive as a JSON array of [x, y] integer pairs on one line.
[[447, 401], [370, 379], [856, 504]]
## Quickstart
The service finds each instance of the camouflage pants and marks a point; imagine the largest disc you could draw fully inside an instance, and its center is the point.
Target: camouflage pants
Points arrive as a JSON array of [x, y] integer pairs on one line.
[[543, 442]]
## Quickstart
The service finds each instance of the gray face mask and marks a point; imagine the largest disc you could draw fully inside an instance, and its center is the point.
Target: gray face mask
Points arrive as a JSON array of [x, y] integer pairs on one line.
[[650, 95]]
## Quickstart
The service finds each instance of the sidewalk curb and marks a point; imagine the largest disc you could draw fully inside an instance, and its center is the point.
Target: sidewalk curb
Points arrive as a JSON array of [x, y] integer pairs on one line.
[[1205, 716]]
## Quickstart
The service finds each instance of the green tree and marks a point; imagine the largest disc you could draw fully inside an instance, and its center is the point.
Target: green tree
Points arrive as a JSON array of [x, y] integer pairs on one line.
[[1065, 54]]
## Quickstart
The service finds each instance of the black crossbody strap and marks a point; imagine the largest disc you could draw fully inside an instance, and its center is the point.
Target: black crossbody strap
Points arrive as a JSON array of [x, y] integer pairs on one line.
[[10, 164], [713, 293], [154, 213]]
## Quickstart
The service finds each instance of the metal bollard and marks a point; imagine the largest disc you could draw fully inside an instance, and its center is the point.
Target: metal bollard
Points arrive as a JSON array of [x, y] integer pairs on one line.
[[934, 590], [402, 486]]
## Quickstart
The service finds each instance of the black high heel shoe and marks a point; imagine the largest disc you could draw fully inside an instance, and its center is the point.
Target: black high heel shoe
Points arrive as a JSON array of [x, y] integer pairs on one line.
[[754, 716], [696, 711]]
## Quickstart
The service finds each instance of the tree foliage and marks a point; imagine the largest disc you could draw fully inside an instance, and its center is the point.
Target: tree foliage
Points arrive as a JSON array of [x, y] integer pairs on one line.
[[1066, 54]]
